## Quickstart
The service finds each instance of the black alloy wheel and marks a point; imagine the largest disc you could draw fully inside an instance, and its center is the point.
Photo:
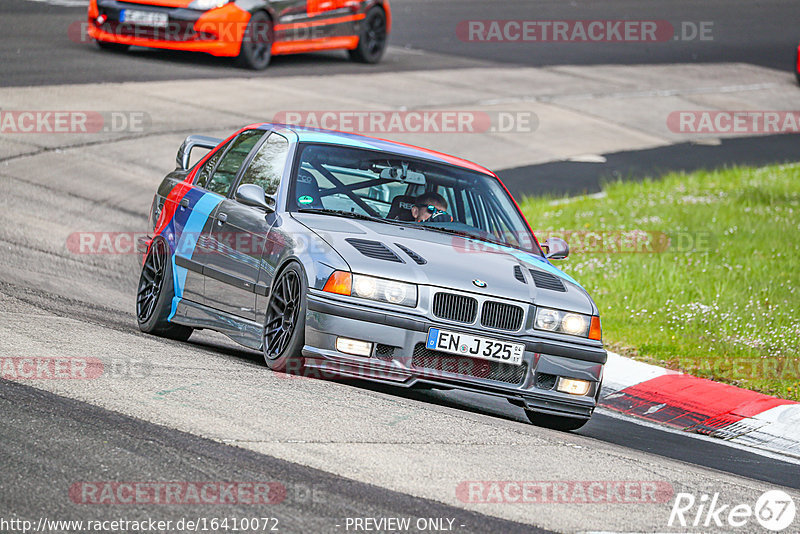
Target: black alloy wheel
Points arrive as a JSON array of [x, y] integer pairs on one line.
[[284, 324]]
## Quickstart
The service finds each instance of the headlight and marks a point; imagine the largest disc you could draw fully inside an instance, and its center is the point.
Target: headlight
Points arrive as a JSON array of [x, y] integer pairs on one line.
[[574, 324], [205, 5], [369, 287], [365, 287]]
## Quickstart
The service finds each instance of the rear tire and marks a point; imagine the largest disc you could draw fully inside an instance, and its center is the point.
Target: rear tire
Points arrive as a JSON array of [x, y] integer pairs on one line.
[[555, 422], [155, 293], [285, 321], [256, 50], [372, 38], [113, 47]]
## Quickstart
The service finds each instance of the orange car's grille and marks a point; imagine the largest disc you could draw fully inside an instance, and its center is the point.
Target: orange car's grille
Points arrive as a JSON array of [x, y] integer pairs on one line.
[[175, 32]]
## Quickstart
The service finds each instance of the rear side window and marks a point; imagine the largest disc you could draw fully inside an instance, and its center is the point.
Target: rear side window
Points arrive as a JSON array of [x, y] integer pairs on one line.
[[267, 166], [205, 173], [228, 167]]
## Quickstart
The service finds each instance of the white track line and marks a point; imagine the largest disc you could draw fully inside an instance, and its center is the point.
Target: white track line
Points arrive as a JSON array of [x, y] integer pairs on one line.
[[64, 3]]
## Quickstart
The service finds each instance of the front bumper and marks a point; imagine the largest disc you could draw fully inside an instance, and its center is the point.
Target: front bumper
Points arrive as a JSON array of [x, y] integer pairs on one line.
[[218, 31], [399, 356]]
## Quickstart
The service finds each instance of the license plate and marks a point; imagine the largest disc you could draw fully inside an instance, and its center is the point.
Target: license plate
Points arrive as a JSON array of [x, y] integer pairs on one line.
[[475, 346], [144, 18]]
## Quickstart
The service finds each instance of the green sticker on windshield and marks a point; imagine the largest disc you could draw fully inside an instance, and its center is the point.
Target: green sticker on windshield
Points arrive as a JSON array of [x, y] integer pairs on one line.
[[305, 199]]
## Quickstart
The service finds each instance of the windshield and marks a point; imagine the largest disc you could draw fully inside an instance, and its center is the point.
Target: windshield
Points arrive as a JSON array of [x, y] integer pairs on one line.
[[395, 188]]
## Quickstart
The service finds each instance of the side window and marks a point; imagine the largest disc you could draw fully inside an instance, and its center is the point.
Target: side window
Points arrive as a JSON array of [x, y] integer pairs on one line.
[[230, 163], [205, 173], [267, 166]]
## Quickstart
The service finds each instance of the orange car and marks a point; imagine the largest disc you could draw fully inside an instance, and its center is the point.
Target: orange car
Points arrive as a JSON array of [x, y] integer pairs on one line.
[[797, 63], [250, 30]]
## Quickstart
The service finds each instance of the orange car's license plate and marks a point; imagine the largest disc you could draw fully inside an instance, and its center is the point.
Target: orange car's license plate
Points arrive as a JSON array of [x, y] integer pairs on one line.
[[144, 18]]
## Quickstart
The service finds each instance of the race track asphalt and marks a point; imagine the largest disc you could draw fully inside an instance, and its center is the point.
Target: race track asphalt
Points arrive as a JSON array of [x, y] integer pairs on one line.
[[210, 410]]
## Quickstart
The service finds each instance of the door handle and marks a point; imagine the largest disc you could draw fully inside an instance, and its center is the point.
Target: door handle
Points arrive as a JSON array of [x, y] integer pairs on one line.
[[184, 202], [221, 218]]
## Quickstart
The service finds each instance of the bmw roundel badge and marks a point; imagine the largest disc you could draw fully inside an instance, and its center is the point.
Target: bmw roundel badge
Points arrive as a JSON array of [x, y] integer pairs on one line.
[[479, 283]]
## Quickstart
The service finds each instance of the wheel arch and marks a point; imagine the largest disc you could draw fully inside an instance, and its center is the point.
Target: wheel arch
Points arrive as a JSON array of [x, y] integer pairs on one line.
[[315, 272], [282, 267], [384, 5], [255, 6]]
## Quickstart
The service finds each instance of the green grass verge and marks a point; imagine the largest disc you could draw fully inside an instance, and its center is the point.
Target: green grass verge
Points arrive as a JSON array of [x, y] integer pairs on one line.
[[716, 292]]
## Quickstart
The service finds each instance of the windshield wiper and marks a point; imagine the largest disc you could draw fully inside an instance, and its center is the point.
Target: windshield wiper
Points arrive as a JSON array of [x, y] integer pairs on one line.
[[340, 213]]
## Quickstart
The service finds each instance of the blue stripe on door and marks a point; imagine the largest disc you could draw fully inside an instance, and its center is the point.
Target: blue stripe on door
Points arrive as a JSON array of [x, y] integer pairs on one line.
[[187, 242]]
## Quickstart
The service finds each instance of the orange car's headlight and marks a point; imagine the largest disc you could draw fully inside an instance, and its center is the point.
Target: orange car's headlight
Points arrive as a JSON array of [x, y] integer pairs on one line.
[[205, 5]]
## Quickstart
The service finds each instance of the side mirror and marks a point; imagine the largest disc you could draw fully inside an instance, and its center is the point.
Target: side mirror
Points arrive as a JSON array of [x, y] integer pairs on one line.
[[254, 195], [555, 248]]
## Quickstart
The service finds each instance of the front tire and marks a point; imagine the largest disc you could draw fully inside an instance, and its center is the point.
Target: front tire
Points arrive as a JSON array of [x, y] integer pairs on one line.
[[284, 324], [372, 38], [256, 50], [155, 293], [555, 422]]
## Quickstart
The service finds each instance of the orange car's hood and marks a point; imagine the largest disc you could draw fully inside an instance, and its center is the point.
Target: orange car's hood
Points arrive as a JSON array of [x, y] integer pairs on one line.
[[165, 3]]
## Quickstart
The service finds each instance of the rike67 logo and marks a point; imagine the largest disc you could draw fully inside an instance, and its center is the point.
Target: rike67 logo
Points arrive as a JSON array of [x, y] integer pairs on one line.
[[774, 510]]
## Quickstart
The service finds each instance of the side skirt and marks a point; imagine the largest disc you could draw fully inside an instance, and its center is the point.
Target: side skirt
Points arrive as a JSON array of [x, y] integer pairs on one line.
[[247, 333]]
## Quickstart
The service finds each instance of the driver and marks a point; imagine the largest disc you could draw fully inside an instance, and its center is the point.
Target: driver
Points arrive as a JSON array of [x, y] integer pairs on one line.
[[431, 207]]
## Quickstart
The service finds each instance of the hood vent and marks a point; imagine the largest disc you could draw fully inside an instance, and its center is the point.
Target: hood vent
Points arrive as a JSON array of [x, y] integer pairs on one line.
[[374, 249], [544, 280], [518, 274], [419, 260]]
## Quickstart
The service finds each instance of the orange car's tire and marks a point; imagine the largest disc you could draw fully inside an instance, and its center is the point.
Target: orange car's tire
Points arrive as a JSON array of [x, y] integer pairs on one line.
[[256, 50], [372, 38], [113, 47]]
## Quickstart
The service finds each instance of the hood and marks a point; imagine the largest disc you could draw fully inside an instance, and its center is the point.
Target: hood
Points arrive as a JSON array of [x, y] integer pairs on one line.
[[450, 261], [163, 3]]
